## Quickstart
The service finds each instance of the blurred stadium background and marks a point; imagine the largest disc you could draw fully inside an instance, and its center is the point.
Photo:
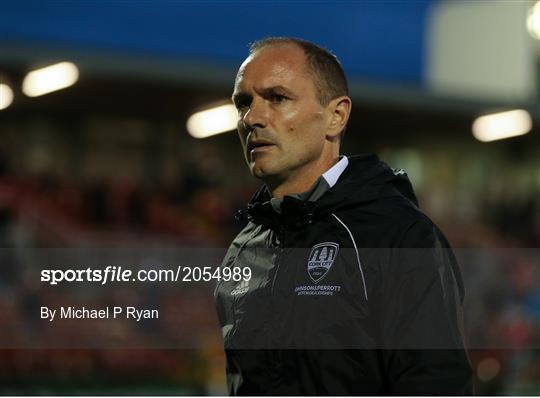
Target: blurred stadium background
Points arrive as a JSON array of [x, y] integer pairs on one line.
[[109, 162]]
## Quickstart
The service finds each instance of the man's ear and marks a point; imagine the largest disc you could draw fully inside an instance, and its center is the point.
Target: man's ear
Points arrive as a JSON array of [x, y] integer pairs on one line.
[[340, 109]]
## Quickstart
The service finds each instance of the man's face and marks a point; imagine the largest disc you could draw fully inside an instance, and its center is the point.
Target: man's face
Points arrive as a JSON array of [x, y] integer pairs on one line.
[[282, 125]]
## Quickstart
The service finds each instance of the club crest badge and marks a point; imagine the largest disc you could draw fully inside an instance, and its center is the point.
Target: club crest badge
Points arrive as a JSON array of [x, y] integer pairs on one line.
[[320, 260]]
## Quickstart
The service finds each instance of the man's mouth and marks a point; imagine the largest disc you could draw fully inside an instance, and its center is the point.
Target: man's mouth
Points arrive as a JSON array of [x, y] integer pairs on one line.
[[258, 146]]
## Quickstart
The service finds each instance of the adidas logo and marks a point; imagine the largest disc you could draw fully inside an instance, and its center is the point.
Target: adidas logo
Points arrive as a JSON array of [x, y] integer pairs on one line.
[[241, 288]]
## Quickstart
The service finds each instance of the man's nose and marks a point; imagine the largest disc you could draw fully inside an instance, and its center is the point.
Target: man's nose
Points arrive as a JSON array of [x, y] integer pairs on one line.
[[256, 115]]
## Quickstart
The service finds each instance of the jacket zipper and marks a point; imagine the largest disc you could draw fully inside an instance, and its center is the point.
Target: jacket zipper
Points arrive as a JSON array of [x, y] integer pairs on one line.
[[280, 238], [274, 355]]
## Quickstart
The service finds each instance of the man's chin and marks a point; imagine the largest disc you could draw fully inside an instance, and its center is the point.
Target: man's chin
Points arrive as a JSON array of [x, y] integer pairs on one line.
[[262, 171], [258, 173]]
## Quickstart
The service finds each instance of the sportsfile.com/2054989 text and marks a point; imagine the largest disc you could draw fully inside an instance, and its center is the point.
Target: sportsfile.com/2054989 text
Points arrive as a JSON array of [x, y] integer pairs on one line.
[[122, 274]]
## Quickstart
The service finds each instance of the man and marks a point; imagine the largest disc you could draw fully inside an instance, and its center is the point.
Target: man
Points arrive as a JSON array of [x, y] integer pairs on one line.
[[353, 289]]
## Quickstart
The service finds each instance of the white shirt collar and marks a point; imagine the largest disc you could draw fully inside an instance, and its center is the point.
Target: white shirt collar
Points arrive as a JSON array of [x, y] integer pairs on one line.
[[332, 174]]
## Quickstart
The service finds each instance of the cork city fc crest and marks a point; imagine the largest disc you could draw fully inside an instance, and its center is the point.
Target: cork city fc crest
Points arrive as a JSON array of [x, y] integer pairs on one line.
[[320, 260]]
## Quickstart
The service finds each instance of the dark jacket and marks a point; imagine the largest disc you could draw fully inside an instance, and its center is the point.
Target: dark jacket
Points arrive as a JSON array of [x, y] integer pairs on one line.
[[356, 293]]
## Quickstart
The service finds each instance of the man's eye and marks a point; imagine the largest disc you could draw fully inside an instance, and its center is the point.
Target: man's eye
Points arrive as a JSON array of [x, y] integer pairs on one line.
[[278, 98], [242, 101], [241, 106]]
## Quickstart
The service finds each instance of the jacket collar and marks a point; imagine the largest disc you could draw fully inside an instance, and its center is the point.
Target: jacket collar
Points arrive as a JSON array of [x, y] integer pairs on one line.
[[365, 179], [296, 209]]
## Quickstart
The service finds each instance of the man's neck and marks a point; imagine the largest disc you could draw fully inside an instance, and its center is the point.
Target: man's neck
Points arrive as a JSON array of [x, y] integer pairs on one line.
[[300, 181]]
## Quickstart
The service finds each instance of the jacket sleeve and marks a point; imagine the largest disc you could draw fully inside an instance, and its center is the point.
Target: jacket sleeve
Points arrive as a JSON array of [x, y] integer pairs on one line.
[[422, 320]]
